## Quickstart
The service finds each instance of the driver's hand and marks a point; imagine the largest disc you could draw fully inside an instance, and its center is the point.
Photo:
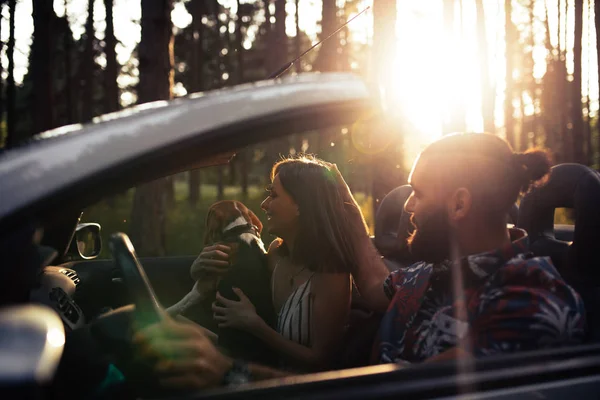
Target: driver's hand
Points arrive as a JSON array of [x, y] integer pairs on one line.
[[213, 260], [182, 356]]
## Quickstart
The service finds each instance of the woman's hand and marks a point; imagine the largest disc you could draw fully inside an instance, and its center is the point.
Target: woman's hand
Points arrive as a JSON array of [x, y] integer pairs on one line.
[[182, 355], [350, 203], [236, 314], [213, 260], [342, 185]]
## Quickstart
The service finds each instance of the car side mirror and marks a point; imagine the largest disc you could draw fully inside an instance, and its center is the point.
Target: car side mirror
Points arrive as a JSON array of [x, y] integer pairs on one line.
[[87, 242]]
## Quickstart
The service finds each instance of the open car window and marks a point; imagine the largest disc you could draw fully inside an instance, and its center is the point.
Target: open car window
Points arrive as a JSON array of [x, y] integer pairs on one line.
[[241, 175]]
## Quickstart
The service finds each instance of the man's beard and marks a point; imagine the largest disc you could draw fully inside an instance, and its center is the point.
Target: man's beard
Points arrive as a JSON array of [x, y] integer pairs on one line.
[[430, 241]]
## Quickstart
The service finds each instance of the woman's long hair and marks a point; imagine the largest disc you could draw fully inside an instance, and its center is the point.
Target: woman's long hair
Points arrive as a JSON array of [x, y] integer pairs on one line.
[[324, 239]]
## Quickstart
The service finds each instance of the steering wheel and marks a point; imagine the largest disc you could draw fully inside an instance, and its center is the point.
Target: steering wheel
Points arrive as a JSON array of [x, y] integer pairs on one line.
[[148, 309], [114, 329]]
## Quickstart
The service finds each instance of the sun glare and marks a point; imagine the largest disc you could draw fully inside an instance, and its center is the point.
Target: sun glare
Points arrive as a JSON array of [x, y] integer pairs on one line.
[[433, 73]]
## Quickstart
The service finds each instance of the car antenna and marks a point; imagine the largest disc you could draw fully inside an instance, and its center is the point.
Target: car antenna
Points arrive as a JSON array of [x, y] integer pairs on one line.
[[287, 66]]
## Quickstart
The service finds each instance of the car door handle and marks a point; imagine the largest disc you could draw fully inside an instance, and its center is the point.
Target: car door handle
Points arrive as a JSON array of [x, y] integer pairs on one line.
[[117, 280]]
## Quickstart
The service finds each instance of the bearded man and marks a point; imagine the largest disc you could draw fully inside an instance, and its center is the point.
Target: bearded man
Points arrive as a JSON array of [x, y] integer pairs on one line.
[[478, 290]]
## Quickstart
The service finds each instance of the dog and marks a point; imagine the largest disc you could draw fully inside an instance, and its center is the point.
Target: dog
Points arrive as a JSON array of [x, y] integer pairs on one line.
[[233, 224]]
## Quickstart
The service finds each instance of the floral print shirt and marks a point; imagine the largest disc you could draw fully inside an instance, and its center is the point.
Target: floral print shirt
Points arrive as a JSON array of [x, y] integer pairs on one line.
[[497, 302]]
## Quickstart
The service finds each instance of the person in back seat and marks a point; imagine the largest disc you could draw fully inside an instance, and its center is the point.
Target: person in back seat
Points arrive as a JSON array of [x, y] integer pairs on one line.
[[492, 296], [478, 291]]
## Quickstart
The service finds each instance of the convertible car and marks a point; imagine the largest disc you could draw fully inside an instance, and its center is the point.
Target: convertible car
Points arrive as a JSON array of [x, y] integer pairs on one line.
[[49, 255]]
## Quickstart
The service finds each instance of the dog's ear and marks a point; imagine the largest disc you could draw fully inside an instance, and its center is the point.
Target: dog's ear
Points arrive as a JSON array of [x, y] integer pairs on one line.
[[249, 216], [214, 226], [255, 221]]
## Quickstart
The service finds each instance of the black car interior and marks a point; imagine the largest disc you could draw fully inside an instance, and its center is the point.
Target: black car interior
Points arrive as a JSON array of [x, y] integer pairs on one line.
[[392, 228], [577, 187]]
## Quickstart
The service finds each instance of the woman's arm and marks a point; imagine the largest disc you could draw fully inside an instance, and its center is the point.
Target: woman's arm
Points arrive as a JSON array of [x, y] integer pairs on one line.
[[330, 309], [371, 271], [370, 275]]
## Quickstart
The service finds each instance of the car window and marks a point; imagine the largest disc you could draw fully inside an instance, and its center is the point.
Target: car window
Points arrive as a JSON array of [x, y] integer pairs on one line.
[[188, 195], [564, 216]]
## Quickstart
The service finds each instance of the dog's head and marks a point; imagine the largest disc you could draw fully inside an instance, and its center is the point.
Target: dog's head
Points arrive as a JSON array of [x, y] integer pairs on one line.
[[225, 215]]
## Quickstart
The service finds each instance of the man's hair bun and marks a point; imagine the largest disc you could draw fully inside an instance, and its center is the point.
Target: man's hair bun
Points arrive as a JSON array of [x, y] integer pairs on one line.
[[533, 165]]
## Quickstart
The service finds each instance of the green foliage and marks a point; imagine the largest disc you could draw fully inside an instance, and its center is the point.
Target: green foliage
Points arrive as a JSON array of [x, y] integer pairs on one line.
[[564, 216], [3, 133]]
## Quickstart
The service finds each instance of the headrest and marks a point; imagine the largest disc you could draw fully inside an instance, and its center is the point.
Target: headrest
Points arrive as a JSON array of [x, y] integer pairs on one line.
[[392, 224], [569, 186]]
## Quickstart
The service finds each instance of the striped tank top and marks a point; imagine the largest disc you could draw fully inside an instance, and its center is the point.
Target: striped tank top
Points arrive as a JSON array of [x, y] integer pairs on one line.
[[294, 318]]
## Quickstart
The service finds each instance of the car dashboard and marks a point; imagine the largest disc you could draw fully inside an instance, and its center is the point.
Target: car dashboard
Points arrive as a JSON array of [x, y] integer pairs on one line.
[[56, 289]]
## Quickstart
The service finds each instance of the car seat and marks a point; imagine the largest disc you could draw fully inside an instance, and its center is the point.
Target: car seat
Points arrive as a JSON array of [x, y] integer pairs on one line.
[[392, 228], [577, 187]]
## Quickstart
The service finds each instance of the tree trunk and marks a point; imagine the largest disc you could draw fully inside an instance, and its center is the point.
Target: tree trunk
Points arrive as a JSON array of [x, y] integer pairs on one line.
[[576, 105], [198, 11], [7, 137], [88, 66], [523, 134], [243, 163], [111, 88], [148, 220], [487, 92], [508, 106], [383, 165], [239, 49], [298, 40], [533, 126], [588, 120], [562, 145], [40, 59], [11, 90], [280, 48], [269, 57], [327, 57], [67, 38], [225, 41], [597, 25], [281, 145], [111, 73]]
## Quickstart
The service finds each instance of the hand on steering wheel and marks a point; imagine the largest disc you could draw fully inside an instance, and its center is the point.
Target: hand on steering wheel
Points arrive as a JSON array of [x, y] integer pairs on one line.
[[181, 355]]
